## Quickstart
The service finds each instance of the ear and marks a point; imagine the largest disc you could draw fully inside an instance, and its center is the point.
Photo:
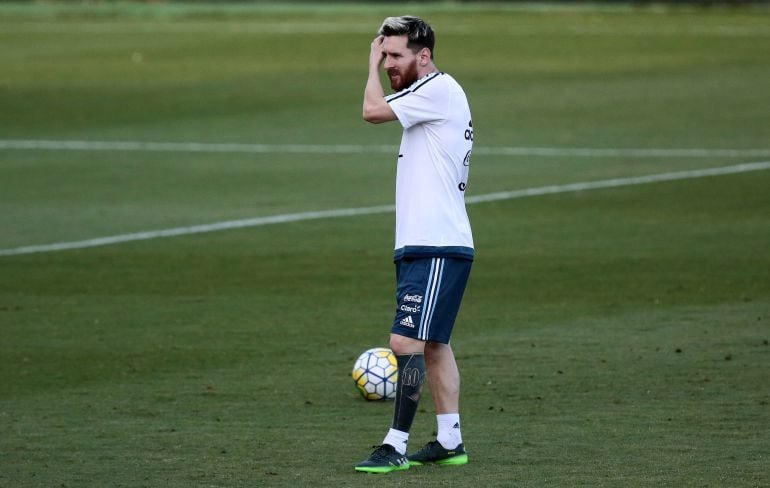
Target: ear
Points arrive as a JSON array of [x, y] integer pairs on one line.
[[424, 56]]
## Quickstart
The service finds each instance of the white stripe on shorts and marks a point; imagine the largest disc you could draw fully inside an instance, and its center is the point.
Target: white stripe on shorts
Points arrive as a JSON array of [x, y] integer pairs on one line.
[[431, 297]]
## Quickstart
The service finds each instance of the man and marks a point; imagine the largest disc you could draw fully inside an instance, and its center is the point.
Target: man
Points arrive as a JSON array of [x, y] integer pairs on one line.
[[434, 246]]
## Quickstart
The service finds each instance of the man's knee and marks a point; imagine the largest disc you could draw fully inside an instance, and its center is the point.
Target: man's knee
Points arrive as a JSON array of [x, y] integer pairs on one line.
[[406, 345], [438, 351]]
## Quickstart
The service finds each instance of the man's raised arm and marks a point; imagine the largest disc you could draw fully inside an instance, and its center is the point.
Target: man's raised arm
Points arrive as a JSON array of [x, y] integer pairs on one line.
[[376, 109]]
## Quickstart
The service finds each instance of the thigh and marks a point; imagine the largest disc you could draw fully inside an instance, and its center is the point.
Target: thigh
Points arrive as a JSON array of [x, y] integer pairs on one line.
[[428, 296]]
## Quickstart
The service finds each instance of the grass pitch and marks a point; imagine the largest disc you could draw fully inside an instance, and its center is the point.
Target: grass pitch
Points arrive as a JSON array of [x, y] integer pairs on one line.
[[611, 337]]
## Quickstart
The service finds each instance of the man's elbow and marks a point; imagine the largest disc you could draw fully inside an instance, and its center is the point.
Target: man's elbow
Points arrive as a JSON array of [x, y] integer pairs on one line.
[[372, 116], [377, 112]]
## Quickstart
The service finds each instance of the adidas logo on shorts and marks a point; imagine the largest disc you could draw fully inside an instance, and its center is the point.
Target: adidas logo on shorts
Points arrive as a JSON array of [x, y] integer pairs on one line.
[[407, 322]]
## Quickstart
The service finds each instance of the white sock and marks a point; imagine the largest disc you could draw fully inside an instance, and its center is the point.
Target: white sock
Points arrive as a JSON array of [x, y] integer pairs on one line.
[[397, 439], [449, 435]]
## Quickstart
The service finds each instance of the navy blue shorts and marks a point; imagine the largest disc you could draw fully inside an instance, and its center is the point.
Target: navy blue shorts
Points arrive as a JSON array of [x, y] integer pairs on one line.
[[428, 296]]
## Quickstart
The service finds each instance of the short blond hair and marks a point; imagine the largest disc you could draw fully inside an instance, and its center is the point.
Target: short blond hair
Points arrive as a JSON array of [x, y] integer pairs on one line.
[[418, 33]]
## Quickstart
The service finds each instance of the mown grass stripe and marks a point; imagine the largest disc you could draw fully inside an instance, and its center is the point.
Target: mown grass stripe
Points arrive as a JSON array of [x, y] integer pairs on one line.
[[202, 147], [352, 212]]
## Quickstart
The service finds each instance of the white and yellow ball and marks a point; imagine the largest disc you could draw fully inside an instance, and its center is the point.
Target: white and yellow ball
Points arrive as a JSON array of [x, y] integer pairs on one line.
[[375, 374]]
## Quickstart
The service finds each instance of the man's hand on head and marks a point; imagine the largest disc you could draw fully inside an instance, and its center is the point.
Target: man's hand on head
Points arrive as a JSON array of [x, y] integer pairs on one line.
[[376, 54]]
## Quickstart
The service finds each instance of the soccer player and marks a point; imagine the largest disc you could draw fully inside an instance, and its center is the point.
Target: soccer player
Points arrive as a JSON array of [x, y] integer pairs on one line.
[[434, 246]]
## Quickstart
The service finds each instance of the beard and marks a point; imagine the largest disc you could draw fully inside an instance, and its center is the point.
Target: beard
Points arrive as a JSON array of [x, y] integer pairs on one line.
[[401, 79]]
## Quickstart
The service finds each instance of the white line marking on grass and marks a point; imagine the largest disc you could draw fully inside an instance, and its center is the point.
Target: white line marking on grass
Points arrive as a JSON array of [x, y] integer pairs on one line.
[[191, 147], [201, 147], [623, 152], [618, 182], [380, 209], [199, 229]]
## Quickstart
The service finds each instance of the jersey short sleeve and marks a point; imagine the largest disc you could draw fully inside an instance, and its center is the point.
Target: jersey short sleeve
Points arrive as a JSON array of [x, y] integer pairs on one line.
[[420, 103]]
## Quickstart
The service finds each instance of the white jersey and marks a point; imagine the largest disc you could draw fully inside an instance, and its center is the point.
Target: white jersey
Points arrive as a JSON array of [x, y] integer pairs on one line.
[[432, 174]]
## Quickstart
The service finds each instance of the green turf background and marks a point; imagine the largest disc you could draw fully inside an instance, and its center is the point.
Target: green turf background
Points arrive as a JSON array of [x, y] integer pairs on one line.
[[614, 337]]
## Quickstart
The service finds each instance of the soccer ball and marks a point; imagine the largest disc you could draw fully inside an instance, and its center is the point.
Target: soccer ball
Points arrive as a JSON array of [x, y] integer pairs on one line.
[[375, 374]]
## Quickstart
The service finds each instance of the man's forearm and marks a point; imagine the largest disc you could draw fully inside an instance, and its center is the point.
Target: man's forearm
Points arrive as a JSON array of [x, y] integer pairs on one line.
[[376, 109]]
